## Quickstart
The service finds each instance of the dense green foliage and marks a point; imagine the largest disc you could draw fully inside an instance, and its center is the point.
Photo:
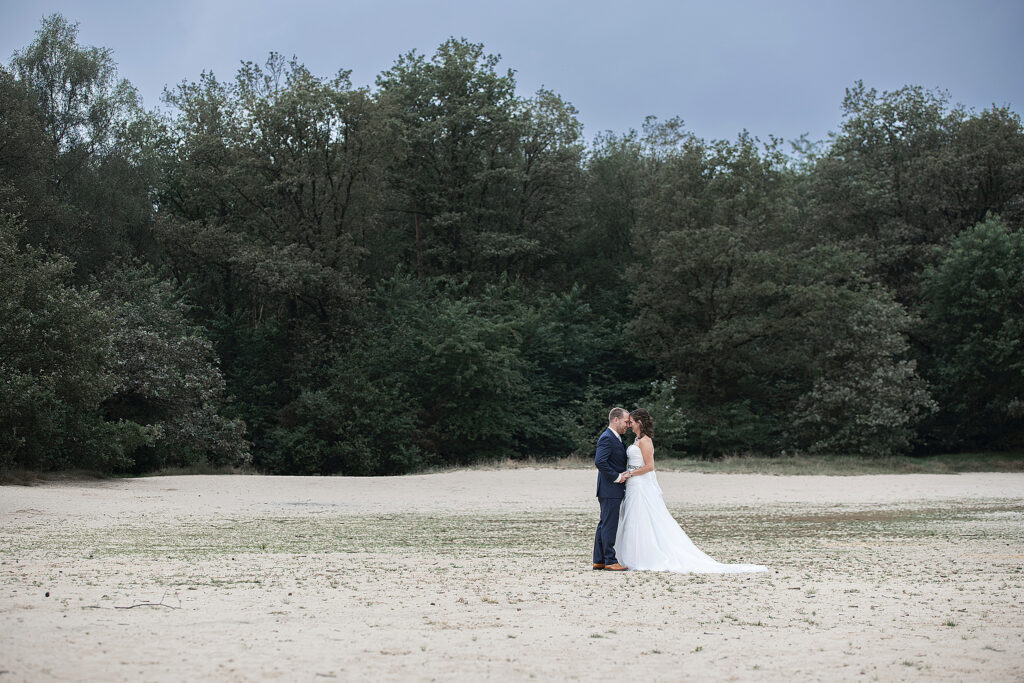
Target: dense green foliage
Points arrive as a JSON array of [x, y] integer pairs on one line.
[[316, 278], [974, 322], [56, 360]]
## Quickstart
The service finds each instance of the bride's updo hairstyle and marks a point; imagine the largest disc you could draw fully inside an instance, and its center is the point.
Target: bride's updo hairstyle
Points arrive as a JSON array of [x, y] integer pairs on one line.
[[646, 422]]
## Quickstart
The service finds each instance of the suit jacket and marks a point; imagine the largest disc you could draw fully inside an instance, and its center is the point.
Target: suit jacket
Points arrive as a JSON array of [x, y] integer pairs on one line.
[[610, 459]]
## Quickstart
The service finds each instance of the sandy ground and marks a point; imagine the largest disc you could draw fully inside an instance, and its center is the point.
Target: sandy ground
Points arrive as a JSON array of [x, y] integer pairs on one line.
[[486, 575]]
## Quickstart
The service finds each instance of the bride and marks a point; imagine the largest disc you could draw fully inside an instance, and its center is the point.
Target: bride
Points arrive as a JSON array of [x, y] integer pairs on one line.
[[648, 538]]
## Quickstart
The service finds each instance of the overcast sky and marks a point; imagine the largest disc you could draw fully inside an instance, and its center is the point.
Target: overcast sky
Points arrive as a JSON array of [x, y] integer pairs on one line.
[[774, 67]]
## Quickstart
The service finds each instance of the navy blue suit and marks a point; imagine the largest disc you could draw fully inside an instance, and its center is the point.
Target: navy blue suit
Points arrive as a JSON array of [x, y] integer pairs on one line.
[[610, 459]]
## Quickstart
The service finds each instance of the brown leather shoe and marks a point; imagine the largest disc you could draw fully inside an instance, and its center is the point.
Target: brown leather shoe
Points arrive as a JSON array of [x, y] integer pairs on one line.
[[598, 566], [615, 567]]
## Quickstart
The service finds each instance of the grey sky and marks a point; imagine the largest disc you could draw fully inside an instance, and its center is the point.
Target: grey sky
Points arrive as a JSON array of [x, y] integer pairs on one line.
[[776, 67]]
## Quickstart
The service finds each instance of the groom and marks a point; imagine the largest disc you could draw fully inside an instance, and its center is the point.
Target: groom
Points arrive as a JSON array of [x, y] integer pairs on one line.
[[610, 460]]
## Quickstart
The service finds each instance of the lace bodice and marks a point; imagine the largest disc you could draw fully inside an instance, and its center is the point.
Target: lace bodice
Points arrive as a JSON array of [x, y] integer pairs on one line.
[[634, 458]]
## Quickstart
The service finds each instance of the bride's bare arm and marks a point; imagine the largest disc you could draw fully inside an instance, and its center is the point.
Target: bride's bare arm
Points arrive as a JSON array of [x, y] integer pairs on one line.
[[647, 450]]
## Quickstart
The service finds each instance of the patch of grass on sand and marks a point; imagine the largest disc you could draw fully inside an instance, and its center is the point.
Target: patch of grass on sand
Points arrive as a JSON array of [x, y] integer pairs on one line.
[[199, 468], [835, 465], [32, 477], [542, 534], [803, 464]]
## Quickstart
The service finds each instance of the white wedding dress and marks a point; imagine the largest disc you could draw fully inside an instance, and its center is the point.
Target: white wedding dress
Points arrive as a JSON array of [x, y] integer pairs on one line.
[[648, 538]]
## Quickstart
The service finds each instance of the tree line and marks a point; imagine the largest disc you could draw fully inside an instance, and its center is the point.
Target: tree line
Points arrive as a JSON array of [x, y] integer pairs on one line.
[[312, 277]]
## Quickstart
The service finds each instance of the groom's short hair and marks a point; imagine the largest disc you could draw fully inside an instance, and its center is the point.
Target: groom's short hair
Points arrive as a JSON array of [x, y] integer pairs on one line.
[[617, 413]]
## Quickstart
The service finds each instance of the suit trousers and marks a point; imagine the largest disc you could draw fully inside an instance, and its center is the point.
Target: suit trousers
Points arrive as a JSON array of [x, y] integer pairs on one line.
[[604, 539]]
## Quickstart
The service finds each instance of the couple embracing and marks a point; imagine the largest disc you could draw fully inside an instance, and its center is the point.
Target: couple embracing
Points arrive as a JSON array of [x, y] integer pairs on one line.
[[636, 530]]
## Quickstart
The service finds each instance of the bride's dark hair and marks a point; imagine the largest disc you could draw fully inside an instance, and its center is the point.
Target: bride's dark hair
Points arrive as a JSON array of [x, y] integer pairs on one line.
[[646, 422]]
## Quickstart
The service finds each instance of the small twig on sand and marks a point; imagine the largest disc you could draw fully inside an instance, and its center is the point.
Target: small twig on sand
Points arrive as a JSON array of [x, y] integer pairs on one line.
[[151, 604]]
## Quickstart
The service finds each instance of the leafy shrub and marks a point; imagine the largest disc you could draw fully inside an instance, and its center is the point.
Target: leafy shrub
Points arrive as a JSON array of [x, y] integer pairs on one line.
[[974, 331]]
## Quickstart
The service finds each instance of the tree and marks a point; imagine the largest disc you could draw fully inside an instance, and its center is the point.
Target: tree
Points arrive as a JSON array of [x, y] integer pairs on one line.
[[770, 343], [459, 135], [437, 376], [484, 179], [56, 353], [268, 213], [468, 372], [989, 163], [263, 187], [77, 166], [87, 190], [907, 173], [974, 311], [865, 394], [615, 178], [169, 376], [286, 196], [24, 152]]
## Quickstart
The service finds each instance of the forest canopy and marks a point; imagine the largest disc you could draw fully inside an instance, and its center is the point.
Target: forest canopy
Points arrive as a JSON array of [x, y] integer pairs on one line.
[[289, 271]]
